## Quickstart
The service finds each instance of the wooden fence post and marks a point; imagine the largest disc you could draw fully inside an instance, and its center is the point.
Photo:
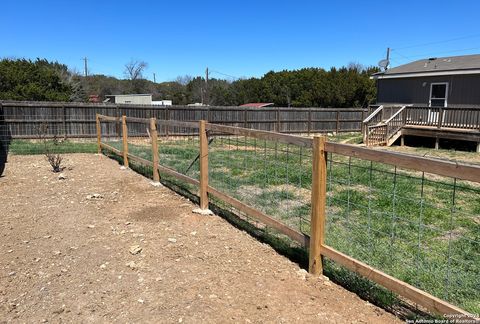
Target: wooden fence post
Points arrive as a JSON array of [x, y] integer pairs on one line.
[[319, 195], [361, 123], [309, 120], [203, 165], [125, 142], [167, 117], [337, 126], [278, 120], [99, 134], [245, 117], [64, 121], [154, 138]]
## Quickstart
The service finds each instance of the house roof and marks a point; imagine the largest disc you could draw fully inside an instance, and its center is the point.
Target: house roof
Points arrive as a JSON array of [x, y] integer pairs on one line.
[[465, 64], [130, 95], [257, 104]]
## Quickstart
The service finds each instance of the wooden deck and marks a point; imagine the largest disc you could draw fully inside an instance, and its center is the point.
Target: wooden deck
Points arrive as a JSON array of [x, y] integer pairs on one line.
[[385, 125]]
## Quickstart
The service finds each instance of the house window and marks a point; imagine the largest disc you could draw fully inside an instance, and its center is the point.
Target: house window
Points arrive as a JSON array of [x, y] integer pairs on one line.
[[438, 94]]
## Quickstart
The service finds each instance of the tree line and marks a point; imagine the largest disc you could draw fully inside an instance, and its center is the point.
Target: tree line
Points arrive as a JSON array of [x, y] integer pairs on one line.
[[41, 80]]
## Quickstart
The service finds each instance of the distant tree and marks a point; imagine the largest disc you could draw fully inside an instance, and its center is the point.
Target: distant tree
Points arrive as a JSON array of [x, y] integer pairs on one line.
[[40, 80], [134, 72]]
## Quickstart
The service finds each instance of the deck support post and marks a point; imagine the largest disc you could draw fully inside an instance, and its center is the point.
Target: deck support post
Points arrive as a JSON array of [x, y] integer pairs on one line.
[[478, 147], [319, 195], [437, 143], [402, 140]]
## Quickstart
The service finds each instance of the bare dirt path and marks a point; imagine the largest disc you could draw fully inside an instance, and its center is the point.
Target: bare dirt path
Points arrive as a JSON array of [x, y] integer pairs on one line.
[[66, 256]]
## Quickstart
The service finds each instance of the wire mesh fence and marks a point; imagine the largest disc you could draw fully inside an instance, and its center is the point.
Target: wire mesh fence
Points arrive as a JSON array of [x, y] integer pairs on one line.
[[270, 176], [421, 228]]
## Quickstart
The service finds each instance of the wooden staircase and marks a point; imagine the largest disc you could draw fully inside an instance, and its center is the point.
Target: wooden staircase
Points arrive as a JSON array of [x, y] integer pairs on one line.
[[384, 125]]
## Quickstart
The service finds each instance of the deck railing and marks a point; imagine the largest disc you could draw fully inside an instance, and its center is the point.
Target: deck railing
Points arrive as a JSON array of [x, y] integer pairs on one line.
[[378, 130]]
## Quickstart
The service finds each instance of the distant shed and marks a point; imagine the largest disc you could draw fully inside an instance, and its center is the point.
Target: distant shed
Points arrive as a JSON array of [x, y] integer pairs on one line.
[[133, 99], [436, 82]]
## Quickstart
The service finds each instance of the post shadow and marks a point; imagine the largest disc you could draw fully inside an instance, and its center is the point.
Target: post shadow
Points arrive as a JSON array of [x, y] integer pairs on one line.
[[5, 140]]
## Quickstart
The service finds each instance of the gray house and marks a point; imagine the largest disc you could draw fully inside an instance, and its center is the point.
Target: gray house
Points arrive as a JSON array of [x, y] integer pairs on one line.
[[435, 82]]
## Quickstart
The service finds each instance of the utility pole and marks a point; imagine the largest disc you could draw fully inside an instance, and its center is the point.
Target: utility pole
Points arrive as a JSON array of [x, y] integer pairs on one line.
[[207, 99], [388, 58], [85, 66], [154, 79]]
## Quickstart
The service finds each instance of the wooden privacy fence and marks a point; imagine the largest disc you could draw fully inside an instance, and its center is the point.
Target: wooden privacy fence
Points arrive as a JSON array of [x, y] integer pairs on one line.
[[77, 120], [315, 241]]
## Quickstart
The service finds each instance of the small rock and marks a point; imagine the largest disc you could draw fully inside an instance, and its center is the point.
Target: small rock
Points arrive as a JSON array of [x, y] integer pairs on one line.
[[202, 211], [141, 301], [123, 167], [193, 233], [212, 296], [94, 196], [57, 252], [10, 251], [132, 265], [91, 226], [103, 266], [135, 249], [47, 236], [128, 223], [302, 273], [172, 240], [12, 273], [61, 176], [155, 184]]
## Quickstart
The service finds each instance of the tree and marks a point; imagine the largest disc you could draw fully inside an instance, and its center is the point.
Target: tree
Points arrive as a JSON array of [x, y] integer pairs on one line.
[[39, 80], [134, 72]]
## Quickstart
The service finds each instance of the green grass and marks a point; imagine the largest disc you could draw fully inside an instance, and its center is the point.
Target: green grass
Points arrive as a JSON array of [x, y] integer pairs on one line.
[[23, 147]]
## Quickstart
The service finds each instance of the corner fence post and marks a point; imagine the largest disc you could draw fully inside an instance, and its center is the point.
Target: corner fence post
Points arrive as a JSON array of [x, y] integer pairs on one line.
[[154, 138], [203, 165], [125, 142], [99, 134], [319, 194]]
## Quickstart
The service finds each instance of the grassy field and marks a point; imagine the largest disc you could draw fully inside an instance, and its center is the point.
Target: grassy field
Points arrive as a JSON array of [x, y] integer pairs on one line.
[[421, 228]]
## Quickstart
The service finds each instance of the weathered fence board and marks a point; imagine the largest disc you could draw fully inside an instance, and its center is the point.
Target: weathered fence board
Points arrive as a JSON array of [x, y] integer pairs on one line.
[[77, 120]]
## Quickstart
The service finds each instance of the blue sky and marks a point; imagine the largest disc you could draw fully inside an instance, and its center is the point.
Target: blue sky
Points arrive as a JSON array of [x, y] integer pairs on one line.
[[238, 38]]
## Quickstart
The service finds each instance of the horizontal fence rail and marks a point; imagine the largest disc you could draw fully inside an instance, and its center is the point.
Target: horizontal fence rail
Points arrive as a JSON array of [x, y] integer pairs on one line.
[[325, 196], [77, 120]]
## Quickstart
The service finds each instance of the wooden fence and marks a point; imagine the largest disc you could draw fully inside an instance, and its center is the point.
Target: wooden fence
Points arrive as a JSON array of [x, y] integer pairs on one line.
[[315, 242], [77, 120]]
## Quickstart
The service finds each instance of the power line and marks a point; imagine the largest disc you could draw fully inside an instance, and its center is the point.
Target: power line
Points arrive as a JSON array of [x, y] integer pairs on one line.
[[438, 42], [224, 74], [412, 57]]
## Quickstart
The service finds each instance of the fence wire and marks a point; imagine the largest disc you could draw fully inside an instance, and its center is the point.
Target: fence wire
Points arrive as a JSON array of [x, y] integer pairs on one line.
[[421, 228], [272, 177]]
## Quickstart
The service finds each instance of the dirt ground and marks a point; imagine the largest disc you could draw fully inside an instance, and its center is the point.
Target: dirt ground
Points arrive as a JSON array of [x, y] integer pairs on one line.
[[104, 245]]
